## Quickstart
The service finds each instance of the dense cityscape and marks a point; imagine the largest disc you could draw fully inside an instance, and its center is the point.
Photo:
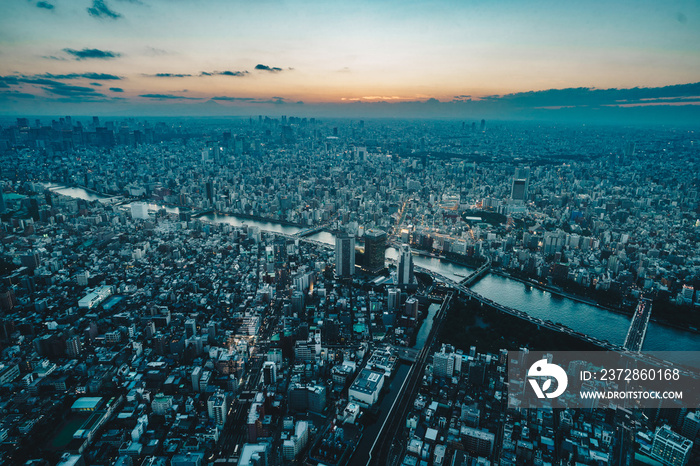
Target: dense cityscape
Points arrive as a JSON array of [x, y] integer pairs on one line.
[[290, 290]]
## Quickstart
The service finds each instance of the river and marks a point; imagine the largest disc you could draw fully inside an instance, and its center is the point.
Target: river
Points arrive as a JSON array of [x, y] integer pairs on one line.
[[77, 193], [581, 317], [426, 326], [584, 318]]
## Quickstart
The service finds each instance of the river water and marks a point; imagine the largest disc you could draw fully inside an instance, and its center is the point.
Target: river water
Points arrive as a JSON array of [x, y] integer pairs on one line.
[[581, 317], [78, 193]]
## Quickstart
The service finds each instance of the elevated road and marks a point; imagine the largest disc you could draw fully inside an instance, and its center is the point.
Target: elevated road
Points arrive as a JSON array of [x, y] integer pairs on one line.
[[381, 452]]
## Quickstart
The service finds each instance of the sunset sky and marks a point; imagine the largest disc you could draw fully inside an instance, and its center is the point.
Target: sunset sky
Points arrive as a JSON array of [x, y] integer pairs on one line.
[[102, 56]]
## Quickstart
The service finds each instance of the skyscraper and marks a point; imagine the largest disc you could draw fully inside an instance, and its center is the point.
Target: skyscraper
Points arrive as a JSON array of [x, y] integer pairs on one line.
[[393, 299], [521, 182], [405, 265], [344, 256], [375, 248], [217, 408], [139, 210], [269, 373]]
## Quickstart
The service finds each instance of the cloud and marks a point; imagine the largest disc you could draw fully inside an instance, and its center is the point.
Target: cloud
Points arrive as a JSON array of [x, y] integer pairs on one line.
[[41, 81], [116, 89], [100, 10], [155, 52], [53, 57], [93, 76], [86, 54], [233, 99], [5, 81], [19, 95], [236, 74], [72, 91], [260, 67], [51, 86], [168, 97], [252, 100], [45, 5], [96, 84], [231, 73], [588, 97], [274, 100], [168, 75]]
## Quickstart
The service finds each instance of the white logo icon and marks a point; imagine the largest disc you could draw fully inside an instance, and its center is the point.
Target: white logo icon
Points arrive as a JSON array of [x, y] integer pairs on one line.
[[544, 369]]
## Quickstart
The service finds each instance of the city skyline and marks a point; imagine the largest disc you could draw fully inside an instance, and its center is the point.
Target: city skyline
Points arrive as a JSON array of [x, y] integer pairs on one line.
[[498, 60]]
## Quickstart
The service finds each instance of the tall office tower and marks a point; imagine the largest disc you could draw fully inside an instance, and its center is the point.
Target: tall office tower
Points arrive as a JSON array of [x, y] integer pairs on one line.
[[405, 265], [344, 256], [411, 307], [670, 448], [217, 408], [73, 347], [190, 328], [139, 210], [521, 184], [375, 248], [281, 263], [209, 187], [269, 373], [393, 299], [446, 363], [2, 201], [691, 425]]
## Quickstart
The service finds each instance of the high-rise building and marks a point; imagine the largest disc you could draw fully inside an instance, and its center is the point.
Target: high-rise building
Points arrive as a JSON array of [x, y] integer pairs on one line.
[[521, 184], [691, 425], [73, 347], [446, 363], [411, 309], [282, 278], [304, 397], [190, 328], [293, 446], [405, 266], [196, 375], [393, 299], [477, 441], [670, 448], [217, 408], [139, 210], [375, 249], [269, 373], [344, 256]]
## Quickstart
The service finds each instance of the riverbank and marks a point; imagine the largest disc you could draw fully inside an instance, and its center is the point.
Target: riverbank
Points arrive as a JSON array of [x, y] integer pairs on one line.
[[563, 294], [55, 186], [257, 218]]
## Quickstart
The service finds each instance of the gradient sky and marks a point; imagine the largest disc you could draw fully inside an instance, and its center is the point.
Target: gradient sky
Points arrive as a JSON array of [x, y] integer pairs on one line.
[[60, 54]]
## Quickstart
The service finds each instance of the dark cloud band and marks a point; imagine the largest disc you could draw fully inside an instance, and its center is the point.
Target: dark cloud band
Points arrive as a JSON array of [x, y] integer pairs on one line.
[[87, 54]]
